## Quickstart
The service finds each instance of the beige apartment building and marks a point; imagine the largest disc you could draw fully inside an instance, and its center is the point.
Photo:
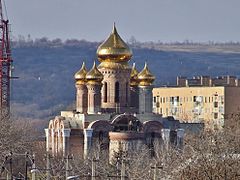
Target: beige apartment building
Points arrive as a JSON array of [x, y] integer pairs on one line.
[[209, 103]]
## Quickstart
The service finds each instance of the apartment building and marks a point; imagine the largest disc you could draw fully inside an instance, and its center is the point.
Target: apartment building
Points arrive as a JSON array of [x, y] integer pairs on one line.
[[202, 99]]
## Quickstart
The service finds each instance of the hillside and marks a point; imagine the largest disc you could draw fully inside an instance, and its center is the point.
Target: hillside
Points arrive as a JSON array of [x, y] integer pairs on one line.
[[46, 85]]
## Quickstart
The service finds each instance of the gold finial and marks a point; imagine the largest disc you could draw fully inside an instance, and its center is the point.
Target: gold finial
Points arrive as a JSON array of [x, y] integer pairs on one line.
[[114, 49], [80, 76], [134, 76], [94, 75], [145, 76], [114, 30]]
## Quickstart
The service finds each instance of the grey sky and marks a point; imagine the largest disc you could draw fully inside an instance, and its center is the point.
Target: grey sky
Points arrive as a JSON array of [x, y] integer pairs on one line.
[[146, 20]]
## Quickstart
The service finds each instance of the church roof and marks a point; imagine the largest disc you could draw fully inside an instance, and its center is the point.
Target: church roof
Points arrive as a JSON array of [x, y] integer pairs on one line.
[[145, 77], [94, 75], [134, 76], [114, 49], [81, 74]]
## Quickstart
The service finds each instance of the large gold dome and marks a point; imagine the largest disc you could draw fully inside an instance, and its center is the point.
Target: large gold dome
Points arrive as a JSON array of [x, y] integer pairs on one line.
[[94, 75], [145, 77], [114, 49]]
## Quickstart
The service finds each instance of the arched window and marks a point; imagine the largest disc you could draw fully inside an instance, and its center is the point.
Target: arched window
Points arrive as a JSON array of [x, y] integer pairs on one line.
[[117, 92], [105, 92]]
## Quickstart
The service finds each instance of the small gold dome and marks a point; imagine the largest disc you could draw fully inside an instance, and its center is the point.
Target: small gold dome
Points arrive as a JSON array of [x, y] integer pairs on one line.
[[114, 49], [145, 77], [81, 74], [134, 76], [94, 75]]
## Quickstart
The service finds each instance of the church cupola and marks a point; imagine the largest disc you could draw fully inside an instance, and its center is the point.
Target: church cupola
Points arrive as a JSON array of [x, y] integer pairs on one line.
[[114, 49], [81, 94], [94, 75], [134, 81], [145, 77], [80, 76]]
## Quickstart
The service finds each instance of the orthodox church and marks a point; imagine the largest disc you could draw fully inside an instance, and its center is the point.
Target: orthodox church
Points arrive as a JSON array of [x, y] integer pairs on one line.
[[113, 107]]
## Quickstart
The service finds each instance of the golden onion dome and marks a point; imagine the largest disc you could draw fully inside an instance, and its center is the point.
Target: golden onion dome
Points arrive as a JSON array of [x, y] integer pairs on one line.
[[94, 75], [81, 74], [145, 77], [114, 49], [134, 76]]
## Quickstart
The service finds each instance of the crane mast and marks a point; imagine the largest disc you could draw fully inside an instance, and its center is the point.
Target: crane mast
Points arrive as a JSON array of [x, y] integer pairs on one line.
[[5, 66]]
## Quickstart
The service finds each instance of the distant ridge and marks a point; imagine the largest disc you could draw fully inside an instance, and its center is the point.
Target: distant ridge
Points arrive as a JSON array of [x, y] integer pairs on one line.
[[46, 69]]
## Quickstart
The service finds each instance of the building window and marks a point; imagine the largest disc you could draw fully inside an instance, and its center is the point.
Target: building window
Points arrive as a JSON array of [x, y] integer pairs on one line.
[[154, 99], [215, 115], [117, 92], [215, 104], [105, 92], [194, 98]]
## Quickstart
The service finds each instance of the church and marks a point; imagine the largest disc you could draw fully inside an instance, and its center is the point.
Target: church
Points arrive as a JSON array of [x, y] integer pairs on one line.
[[114, 104]]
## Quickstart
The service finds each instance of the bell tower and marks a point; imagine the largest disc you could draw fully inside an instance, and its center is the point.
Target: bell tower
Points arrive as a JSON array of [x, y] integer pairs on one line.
[[114, 55]]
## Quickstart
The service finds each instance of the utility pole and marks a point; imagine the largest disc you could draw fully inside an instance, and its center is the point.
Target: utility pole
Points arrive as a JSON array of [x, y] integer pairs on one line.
[[10, 164], [156, 169], [67, 166], [26, 166], [123, 175], [155, 172], [48, 167], [94, 160], [33, 167], [123, 170]]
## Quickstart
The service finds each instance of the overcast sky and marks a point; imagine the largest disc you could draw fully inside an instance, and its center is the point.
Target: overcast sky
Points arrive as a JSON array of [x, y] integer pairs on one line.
[[146, 20]]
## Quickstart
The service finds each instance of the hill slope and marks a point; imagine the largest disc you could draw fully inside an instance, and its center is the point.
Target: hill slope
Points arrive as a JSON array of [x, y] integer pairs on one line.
[[46, 85]]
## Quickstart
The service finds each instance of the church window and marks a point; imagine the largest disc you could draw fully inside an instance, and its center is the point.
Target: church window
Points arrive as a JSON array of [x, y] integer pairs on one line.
[[117, 92], [105, 92]]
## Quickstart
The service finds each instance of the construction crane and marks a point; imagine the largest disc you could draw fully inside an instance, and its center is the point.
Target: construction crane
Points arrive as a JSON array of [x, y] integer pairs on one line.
[[5, 64]]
